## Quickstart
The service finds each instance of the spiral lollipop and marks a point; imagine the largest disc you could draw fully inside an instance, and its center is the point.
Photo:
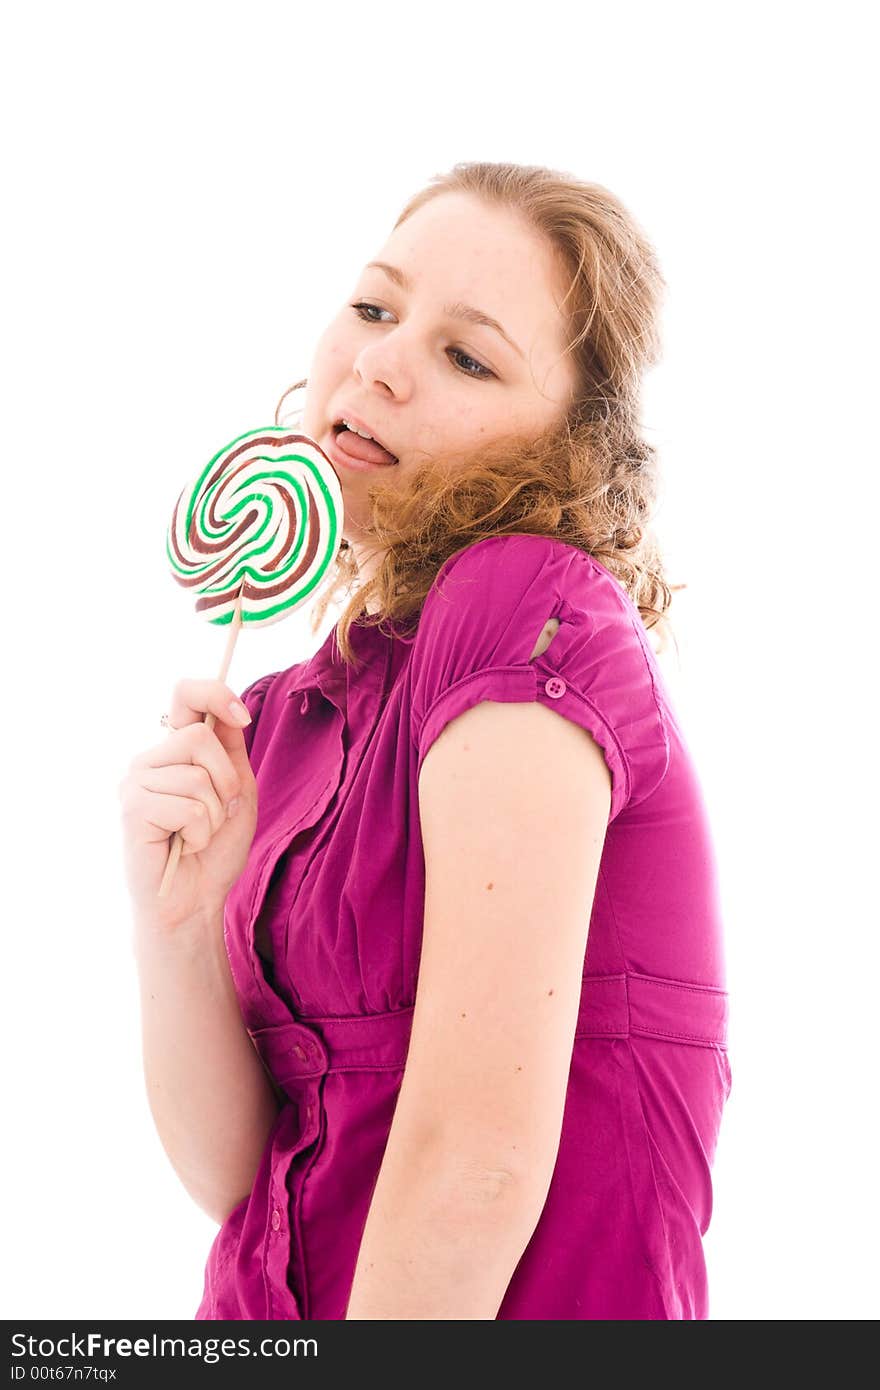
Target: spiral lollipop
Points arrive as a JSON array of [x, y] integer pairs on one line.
[[262, 522], [255, 536]]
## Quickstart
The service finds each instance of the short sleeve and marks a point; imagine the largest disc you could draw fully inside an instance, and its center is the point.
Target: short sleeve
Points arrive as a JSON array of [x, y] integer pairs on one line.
[[480, 623], [253, 698]]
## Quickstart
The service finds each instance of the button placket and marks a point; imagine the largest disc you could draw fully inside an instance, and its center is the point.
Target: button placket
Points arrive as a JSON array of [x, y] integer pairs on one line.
[[317, 784], [299, 1053]]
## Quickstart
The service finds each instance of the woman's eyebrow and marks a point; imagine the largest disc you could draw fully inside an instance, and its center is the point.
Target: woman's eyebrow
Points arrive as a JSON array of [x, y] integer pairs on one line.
[[455, 311]]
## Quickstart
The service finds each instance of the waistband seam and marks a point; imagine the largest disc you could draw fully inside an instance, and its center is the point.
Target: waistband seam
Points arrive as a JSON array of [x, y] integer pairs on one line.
[[631, 1004], [664, 983], [626, 976]]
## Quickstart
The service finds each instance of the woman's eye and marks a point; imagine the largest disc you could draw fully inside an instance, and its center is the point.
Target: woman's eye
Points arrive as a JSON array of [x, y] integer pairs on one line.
[[482, 373], [364, 305]]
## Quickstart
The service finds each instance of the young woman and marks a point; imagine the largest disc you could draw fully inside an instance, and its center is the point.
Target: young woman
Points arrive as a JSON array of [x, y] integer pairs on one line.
[[435, 1025]]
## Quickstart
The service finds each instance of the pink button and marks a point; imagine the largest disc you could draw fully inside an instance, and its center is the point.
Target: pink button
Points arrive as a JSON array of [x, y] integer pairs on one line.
[[276, 1219], [299, 1050], [555, 687], [304, 704]]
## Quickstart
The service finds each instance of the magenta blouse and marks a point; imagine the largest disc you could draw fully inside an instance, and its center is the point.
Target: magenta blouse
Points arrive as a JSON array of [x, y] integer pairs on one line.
[[323, 933]]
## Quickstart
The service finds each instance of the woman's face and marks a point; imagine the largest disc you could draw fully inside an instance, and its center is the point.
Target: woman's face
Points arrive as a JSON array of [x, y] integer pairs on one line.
[[424, 380]]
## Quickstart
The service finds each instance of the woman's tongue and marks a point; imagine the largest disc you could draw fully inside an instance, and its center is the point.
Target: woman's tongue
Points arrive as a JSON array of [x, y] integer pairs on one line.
[[366, 450]]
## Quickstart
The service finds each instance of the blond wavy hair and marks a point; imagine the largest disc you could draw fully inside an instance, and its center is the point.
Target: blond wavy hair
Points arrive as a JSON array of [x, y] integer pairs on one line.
[[591, 480]]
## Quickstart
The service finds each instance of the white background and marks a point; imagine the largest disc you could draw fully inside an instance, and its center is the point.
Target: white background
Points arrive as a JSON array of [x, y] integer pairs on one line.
[[191, 190]]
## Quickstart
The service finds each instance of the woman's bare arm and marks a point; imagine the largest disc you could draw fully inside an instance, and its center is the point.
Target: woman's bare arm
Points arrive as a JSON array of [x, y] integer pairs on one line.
[[211, 1099]]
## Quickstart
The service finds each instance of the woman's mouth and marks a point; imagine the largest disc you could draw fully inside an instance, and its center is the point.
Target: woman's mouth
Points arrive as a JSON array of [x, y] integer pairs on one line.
[[355, 449]]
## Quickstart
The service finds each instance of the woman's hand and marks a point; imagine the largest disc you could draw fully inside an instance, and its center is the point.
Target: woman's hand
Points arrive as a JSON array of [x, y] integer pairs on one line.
[[198, 781]]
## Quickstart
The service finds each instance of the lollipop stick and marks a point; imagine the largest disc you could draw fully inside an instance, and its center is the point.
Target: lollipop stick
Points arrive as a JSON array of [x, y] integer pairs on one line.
[[210, 720]]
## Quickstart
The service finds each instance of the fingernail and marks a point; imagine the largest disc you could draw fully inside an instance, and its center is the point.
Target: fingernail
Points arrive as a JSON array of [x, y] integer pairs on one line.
[[239, 712], [232, 807]]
